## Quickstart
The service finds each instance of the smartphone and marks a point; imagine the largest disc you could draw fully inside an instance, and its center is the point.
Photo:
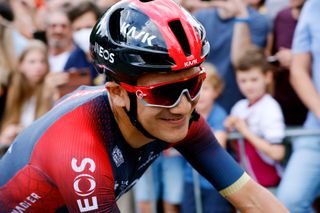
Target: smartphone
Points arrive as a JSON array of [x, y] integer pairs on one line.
[[272, 60]]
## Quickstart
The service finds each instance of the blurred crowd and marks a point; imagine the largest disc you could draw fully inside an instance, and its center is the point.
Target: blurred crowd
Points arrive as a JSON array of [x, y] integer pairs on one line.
[[263, 77]]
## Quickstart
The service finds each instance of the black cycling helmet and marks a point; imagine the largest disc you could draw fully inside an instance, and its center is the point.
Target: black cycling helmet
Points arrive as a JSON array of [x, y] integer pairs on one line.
[[139, 36]]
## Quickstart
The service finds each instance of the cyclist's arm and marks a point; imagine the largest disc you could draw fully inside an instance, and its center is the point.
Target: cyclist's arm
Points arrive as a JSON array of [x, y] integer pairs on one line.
[[205, 154], [254, 198]]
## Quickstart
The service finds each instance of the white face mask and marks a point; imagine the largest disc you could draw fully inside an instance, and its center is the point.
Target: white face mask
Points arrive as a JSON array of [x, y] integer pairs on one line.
[[82, 38]]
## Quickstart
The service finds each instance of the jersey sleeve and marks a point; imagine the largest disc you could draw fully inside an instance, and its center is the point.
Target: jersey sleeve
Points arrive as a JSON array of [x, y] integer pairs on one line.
[[205, 154]]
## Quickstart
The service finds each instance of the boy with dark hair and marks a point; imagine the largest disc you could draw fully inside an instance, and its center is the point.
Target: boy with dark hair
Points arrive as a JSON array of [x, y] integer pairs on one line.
[[259, 119]]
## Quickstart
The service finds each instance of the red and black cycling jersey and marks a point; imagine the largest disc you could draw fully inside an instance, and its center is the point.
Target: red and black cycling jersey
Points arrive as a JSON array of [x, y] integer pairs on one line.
[[76, 158]]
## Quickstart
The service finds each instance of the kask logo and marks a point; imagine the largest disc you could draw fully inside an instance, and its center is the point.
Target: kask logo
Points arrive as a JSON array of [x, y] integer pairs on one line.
[[190, 63], [131, 31]]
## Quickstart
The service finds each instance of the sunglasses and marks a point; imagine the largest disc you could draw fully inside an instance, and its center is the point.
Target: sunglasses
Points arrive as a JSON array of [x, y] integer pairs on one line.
[[168, 94]]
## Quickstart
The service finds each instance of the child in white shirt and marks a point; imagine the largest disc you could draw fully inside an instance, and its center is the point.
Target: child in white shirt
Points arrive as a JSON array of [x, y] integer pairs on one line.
[[259, 119]]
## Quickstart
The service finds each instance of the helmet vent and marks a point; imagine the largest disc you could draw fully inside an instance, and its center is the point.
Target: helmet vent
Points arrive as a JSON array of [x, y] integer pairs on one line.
[[114, 25], [178, 31]]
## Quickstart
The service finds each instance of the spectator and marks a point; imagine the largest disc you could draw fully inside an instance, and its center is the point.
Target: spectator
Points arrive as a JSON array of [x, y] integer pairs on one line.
[[211, 200], [54, 5], [23, 18], [259, 5], [7, 53], [259, 119], [210, 91], [284, 25], [28, 21], [28, 96], [7, 56], [300, 184], [64, 55], [231, 27], [83, 17], [274, 6]]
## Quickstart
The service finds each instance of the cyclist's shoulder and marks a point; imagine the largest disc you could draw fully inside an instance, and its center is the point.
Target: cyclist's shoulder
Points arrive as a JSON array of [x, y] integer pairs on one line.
[[81, 95]]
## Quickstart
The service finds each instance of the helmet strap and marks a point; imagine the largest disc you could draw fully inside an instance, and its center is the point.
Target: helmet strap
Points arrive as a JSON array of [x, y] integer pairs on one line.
[[132, 114], [194, 117]]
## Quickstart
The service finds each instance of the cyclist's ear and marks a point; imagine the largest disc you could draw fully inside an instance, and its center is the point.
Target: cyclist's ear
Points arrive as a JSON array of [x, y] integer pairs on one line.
[[118, 95]]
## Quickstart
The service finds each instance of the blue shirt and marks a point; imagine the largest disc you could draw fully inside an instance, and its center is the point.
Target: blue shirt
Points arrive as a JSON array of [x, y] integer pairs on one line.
[[307, 39], [78, 60]]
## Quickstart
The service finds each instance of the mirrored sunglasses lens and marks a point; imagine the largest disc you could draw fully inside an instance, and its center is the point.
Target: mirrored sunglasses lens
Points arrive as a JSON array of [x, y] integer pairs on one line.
[[167, 95]]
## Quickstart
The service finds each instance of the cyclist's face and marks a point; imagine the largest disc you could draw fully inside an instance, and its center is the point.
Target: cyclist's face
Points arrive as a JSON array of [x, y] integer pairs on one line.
[[168, 124]]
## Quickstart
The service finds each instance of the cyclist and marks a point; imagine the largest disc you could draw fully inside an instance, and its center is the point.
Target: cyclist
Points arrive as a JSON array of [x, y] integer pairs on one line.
[[96, 142]]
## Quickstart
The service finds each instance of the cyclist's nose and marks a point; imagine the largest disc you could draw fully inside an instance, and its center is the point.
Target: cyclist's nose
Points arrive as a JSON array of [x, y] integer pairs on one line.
[[184, 105]]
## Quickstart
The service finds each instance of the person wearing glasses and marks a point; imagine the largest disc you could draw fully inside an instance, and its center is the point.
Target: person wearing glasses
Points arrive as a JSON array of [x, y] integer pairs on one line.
[[96, 142]]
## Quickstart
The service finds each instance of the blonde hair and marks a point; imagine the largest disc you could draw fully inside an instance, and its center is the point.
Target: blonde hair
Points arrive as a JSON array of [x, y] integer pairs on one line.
[[213, 77], [20, 90]]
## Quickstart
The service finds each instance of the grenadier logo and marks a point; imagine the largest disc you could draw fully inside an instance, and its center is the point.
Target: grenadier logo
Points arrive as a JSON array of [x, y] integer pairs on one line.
[[28, 202], [83, 203]]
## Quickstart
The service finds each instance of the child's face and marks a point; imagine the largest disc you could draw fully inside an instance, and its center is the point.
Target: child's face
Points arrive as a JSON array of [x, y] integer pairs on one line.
[[207, 96], [253, 83]]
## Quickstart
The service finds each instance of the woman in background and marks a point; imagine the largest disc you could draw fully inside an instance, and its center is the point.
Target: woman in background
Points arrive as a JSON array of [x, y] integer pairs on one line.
[[28, 96]]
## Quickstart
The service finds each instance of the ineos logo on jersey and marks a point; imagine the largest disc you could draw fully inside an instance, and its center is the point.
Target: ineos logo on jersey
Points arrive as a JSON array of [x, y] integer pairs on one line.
[[103, 53], [132, 32], [84, 179]]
